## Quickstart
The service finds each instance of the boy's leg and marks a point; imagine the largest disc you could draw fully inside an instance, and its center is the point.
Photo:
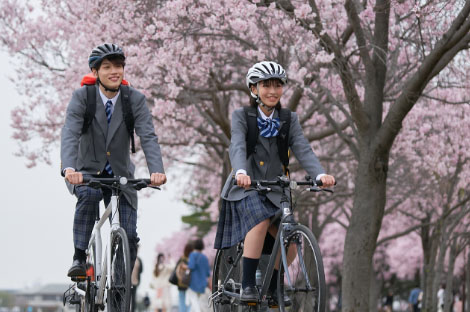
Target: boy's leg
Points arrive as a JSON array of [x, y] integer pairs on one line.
[[128, 220], [85, 211]]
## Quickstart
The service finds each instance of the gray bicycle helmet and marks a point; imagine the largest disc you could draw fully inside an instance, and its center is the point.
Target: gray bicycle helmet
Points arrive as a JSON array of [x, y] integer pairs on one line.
[[263, 71], [102, 51]]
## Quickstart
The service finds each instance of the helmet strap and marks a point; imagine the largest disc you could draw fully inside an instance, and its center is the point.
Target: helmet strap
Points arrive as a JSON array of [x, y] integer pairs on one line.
[[105, 87]]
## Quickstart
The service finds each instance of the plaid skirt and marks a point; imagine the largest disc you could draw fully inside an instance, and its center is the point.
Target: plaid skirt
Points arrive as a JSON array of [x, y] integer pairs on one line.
[[238, 217]]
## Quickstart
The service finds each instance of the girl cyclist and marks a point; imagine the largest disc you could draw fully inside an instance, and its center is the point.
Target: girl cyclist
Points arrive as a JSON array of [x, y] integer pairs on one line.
[[245, 214]]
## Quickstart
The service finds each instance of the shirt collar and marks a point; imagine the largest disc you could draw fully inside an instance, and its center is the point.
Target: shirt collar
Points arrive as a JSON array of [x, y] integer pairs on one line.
[[264, 116], [105, 99]]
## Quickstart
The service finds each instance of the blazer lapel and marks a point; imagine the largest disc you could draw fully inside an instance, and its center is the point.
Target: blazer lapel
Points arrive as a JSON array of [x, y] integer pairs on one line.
[[100, 114], [116, 120]]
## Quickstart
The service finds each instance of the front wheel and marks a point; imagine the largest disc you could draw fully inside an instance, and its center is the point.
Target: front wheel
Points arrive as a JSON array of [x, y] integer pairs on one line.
[[304, 280], [119, 291]]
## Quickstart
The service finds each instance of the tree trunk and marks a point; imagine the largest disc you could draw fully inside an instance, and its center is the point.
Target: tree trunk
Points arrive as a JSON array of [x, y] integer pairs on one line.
[[467, 284], [428, 278], [374, 297], [448, 297], [439, 269], [364, 227]]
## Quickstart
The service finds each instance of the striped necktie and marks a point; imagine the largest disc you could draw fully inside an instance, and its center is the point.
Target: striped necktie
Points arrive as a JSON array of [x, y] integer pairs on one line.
[[109, 112], [268, 127]]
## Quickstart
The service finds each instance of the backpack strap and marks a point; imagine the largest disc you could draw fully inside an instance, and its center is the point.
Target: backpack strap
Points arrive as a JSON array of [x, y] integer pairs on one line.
[[251, 114], [127, 114], [283, 138], [90, 107]]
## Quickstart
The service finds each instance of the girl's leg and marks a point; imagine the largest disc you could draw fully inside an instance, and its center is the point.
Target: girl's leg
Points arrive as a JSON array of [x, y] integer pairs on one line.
[[254, 240], [253, 247]]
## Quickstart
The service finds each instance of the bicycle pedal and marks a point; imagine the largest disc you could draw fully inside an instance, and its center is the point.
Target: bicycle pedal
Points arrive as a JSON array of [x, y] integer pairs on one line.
[[78, 278], [252, 303]]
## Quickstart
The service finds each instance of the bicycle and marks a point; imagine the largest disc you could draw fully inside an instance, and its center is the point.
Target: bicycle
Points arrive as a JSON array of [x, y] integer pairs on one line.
[[303, 279], [108, 280]]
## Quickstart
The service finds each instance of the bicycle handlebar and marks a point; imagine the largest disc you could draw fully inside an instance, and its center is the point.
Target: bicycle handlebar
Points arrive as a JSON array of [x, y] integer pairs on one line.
[[138, 184], [287, 183]]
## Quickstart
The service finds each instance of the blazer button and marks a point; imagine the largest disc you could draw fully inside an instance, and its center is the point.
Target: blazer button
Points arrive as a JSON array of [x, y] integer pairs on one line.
[[99, 172], [261, 163], [108, 153]]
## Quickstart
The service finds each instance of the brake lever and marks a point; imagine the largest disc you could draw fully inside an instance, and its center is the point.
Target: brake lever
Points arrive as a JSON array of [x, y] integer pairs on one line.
[[319, 189], [140, 185], [94, 184], [260, 189]]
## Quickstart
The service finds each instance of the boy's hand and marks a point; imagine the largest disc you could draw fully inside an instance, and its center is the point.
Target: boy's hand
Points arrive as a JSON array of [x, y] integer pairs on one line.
[[73, 177], [157, 179]]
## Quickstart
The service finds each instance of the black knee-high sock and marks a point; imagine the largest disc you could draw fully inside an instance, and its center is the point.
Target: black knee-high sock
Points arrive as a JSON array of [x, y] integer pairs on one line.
[[79, 254], [249, 272], [273, 282]]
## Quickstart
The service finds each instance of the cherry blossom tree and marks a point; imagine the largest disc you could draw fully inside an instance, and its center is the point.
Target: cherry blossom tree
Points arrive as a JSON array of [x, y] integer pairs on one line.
[[356, 70]]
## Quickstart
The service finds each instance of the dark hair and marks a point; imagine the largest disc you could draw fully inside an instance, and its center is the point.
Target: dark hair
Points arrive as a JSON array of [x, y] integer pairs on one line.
[[188, 249], [156, 270], [198, 244]]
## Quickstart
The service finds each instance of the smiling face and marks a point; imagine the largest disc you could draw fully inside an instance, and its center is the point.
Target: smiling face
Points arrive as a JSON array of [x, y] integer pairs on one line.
[[110, 73], [270, 91]]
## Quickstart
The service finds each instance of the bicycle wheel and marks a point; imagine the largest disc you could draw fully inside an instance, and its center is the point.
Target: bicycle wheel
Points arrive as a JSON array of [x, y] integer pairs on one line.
[[224, 260], [119, 281], [307, 289]]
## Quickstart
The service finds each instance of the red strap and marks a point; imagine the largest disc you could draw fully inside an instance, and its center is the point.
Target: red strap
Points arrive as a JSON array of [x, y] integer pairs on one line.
[[90, 79]]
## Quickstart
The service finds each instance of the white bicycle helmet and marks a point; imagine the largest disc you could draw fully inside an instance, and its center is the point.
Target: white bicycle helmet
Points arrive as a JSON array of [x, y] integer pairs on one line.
[[263, 71]]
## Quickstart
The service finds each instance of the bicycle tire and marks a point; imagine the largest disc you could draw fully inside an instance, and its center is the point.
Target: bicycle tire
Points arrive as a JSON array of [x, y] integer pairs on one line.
[[302, 297], [222, 264], [119, 281]]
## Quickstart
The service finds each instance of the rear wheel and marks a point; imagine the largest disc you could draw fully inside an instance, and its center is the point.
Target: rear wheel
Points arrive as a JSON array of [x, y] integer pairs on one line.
[[119, 291], [224, 261], [307, 289]]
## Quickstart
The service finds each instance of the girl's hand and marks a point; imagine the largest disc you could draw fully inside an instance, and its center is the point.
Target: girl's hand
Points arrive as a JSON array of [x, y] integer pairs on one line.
[[327, 180], [243, 180]]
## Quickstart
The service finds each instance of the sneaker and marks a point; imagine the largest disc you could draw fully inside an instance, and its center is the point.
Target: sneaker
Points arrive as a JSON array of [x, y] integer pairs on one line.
[[78, 269], [273, 300], [249, 294]]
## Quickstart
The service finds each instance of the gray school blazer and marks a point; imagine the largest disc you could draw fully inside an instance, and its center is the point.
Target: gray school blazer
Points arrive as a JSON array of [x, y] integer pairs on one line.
[[264, 163], [89, 152]]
